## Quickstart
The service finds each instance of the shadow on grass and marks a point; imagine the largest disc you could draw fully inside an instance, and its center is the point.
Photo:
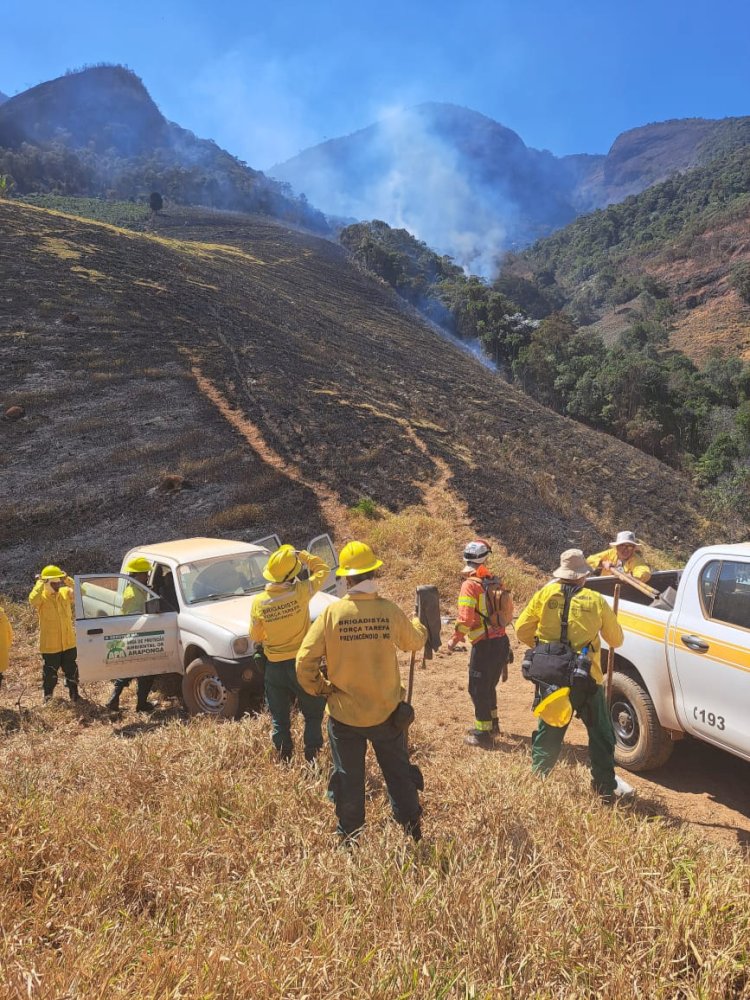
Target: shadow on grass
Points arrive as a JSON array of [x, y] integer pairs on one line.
[[143, 722]]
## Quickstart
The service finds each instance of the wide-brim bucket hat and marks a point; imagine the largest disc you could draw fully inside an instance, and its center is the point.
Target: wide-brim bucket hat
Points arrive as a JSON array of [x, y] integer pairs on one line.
[[572, 566], [625, 538]]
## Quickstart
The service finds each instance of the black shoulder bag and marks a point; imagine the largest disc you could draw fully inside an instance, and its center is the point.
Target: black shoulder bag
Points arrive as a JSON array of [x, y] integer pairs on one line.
[[552, 663]]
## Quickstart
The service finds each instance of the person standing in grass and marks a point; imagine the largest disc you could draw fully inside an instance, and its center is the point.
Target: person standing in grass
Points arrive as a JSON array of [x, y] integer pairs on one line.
[[6, 638], [134, 603], [490, 648], [52, 596], [279, 619], [359, 636], [589, 616]]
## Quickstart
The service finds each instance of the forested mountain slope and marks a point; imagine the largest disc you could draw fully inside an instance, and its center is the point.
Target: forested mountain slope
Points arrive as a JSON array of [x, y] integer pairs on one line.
[[158, 370], [685, 242]]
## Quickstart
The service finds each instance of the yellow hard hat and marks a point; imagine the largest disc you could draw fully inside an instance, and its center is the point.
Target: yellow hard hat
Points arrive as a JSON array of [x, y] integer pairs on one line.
[[283, 565], [556, 709], [52, 573], [356, 558], [138, 564]]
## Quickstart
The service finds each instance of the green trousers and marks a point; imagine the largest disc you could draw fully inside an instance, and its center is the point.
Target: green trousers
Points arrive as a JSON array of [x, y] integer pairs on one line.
[[547, 742]]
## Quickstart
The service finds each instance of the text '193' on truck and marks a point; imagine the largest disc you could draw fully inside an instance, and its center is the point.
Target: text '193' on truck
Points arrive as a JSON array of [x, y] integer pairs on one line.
[[683, 669], [195, 618]]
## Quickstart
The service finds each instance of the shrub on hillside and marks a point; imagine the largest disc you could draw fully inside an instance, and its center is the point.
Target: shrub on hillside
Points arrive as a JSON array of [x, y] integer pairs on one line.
[[740, 279]]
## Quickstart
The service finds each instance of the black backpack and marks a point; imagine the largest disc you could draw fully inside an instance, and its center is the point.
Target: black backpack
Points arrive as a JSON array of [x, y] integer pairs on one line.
[[552, 663]]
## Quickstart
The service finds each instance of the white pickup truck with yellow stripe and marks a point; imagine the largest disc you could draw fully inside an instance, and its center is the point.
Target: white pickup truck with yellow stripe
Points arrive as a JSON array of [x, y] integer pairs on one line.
[[685, 670]]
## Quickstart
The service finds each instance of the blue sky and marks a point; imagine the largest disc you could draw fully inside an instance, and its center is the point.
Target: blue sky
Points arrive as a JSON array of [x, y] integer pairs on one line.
[[266, 80]]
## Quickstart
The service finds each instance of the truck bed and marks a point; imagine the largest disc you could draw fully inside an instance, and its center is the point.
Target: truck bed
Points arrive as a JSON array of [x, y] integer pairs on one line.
[[660, 581]]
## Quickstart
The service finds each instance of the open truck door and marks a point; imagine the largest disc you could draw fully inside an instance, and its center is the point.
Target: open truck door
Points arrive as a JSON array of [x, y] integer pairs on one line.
[[322, 546], [112, 641], [269, 542]]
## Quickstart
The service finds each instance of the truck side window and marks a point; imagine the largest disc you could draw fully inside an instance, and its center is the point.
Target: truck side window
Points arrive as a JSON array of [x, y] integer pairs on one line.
[[731, 602], [709, 576], [108, 597], [162, 583]]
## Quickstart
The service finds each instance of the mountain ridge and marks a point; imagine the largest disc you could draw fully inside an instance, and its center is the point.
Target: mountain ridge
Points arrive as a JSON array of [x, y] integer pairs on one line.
[[517, 193], [98, 132]]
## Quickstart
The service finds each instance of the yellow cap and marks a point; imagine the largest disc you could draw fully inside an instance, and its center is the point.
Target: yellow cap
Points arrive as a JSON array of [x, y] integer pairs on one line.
[[139, 564], [556, 709], [52, 573], [283, 565], [356, 558]]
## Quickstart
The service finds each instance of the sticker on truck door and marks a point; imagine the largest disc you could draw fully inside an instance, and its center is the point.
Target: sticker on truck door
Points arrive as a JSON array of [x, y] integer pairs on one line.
[[135, 646]]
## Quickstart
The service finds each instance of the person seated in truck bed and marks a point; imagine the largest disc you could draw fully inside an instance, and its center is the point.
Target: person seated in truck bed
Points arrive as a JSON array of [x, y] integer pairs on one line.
[[623, 554]]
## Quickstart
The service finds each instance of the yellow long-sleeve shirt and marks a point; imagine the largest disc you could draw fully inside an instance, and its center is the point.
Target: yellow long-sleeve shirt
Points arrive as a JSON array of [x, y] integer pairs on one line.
[[55, 610], [589, 615], [6, 638], [358, 636], [635, 565], [280, 616]]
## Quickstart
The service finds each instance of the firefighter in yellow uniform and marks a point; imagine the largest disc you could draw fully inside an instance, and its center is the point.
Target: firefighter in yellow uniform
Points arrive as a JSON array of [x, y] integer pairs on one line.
[[279, 619], [52, 596], [589, 616], [6, 638], [624, 554], [134, 603], [359, 636]]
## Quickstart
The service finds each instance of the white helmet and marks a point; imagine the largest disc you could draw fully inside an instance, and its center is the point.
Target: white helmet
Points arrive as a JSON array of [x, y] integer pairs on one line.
[[477, 551]]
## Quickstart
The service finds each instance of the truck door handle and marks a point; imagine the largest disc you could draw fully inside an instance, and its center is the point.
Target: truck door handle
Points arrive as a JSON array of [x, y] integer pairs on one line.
[[95, 631], [694, 643]]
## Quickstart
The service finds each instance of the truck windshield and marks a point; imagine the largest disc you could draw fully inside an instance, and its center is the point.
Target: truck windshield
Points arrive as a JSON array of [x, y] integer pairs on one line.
[[223, 577]]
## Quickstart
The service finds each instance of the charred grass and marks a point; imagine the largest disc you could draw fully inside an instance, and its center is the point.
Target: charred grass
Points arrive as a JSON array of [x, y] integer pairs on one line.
[[340, 381]]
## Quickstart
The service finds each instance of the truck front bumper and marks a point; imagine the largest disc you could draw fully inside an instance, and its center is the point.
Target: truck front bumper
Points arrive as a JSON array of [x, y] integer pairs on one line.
[[241, 674]]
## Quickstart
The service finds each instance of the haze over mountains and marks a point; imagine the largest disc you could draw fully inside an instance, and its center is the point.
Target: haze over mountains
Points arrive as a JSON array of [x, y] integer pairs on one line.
[[469, 187], [461, 182], [98, 132]]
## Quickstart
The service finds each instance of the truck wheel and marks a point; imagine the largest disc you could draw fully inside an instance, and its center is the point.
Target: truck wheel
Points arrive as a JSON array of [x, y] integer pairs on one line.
[[640, 742], [204, 692]]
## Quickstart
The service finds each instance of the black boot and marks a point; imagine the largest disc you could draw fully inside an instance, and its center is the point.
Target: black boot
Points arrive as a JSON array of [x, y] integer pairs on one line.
[[73, 692], [143, 687], [414, 829], [479, 738]]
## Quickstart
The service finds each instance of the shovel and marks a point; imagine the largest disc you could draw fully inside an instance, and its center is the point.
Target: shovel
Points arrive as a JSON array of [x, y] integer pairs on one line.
[[667, 596]]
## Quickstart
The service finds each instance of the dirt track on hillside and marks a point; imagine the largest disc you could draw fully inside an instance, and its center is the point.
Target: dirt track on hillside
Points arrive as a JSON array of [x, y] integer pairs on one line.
[[700, 785]]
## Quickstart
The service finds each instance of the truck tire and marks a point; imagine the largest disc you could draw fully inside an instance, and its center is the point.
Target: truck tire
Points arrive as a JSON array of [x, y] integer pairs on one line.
[[205, 694], [640, 742]]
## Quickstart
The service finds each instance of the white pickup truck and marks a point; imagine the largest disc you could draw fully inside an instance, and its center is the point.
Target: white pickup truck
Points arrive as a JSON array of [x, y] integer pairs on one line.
[[685, 670], [196, 618]]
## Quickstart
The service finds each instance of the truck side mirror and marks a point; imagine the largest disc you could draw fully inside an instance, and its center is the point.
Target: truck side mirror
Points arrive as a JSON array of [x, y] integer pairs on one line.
[[153, 606]]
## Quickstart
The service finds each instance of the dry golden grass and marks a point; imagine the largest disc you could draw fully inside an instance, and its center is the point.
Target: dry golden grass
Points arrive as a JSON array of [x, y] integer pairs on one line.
[[183, 862], [424, 547]]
